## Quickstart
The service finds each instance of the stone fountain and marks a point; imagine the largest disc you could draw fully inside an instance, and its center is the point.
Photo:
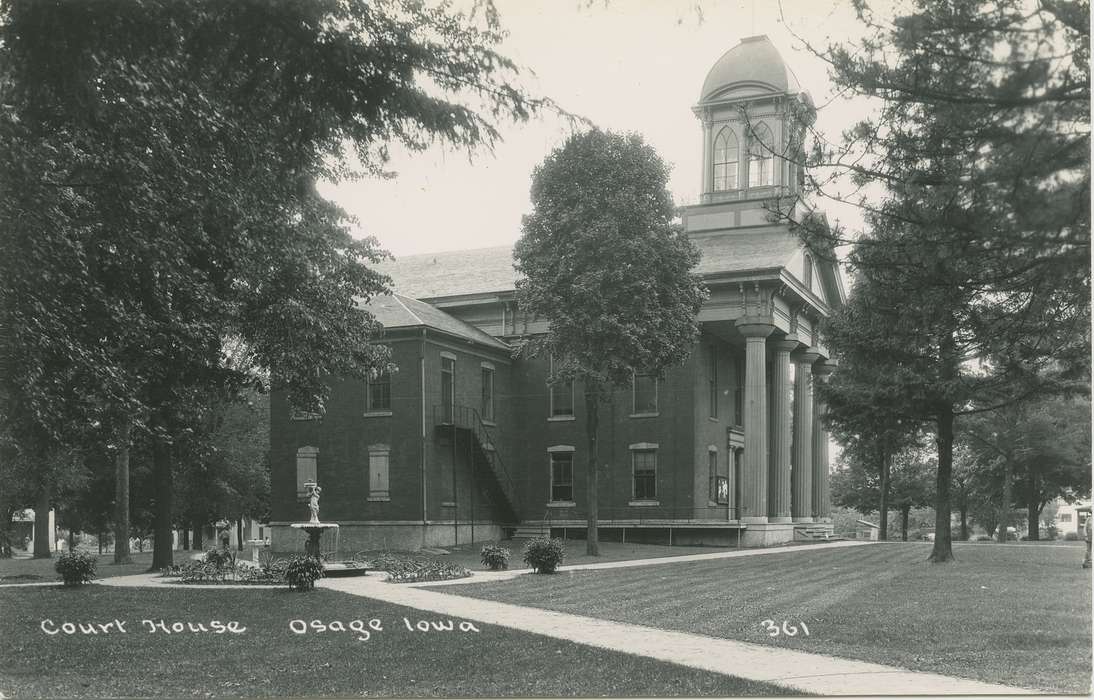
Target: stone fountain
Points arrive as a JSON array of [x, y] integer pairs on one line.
[[314, 528]]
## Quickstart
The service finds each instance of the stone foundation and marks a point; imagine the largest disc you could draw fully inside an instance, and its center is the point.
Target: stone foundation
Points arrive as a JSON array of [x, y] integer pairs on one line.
[[768, 534], [355, 537]]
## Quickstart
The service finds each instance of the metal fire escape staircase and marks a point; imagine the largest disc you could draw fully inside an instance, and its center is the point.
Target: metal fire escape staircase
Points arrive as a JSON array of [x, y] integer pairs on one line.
[[463, 424]]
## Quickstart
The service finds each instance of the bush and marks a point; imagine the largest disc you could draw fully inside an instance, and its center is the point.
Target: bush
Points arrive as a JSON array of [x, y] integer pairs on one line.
[[222, 558], [1071, 536], [76, 568], [544, 555], [272, 565], [303, 572], [495, 556], [416, 571]]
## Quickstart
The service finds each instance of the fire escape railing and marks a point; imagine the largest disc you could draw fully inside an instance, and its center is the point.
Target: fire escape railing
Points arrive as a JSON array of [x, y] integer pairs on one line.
[[467, 418]]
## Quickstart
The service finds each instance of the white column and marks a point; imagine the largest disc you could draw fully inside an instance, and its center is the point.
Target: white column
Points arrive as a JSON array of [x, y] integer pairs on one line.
[[801, 476], [779, 468], [754, 488]]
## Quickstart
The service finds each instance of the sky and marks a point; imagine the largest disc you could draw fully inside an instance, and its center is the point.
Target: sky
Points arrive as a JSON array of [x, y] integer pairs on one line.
[[626, 65]]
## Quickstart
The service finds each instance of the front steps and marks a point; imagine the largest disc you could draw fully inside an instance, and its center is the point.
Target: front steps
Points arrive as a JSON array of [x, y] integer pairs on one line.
[[527, 531], [814, 532]]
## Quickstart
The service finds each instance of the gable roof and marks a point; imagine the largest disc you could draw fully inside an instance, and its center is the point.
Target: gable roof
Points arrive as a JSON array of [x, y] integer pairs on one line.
[[486, 270], [398, 311]]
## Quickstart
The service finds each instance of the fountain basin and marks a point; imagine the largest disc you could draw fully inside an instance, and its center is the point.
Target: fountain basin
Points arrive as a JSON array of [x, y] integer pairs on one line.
[[314, 530]]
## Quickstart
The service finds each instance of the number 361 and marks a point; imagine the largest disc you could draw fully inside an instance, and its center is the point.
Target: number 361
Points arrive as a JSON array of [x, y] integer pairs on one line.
[[774, 630]]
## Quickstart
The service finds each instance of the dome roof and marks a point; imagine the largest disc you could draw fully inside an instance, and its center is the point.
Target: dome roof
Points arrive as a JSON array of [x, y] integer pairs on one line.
[[753, 62]]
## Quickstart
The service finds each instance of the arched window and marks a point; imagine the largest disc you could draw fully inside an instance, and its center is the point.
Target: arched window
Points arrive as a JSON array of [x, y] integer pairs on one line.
[[725, 160], [761, 157]]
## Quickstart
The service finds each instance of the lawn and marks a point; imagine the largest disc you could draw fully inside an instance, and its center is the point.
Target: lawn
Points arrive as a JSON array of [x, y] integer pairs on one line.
[[1004, 614], [26, 570], [268, 658]]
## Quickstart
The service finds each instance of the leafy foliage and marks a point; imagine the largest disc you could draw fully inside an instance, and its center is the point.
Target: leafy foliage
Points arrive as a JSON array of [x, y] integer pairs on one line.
[[1027, 455], [495, 556], [417, 570], [76, 568], [544, 554], [604, 263], [302, 573]]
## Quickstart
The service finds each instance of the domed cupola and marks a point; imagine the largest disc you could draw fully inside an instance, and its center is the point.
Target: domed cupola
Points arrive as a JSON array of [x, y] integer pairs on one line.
[[753, 112], [752, 67]]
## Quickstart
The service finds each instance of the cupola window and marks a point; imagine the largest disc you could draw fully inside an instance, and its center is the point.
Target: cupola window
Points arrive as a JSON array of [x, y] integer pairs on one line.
[[725, 160], [761, 159]]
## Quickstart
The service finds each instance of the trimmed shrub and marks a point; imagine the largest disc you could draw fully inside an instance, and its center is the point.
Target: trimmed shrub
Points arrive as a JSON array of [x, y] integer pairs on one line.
[[544, 555], [303, 572], [495, 556], [418, 570], [76, 568], [1071, 536]]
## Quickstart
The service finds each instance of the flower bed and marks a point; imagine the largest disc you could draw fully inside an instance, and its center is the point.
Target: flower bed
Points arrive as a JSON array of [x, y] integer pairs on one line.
[[419, 570]]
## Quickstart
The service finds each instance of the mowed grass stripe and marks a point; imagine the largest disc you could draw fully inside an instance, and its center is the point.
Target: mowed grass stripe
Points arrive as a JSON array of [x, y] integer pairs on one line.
[[1004, 614]]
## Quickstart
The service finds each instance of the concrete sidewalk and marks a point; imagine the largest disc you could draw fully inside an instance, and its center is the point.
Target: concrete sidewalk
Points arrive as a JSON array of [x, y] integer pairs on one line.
[[807, 672]]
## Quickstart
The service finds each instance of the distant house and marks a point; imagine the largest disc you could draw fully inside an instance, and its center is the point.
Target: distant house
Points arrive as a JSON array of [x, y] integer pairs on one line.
[[1069, 518]]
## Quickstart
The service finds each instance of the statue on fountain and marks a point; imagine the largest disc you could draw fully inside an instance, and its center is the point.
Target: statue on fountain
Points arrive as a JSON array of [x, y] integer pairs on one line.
[[314, 528], [313, 491]]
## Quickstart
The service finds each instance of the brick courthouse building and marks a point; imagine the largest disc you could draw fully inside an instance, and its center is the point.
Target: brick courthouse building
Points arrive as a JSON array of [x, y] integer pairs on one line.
[[465, 441]]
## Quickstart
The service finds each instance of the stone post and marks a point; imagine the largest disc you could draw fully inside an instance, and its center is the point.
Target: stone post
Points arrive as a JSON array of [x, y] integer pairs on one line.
[[754, 488], [801, 476], [822, 505], [779, 469]]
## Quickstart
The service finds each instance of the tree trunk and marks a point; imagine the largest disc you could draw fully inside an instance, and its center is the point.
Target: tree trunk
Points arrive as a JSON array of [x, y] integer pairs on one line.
[[1004, 509], [43, 536], [904, 510], [71, 540], [592, 423], [161, 533], [186, 539], [121, 494], [943, 546], [198, 535], [239, 533], [883, 509], [964, 522], [1033, 505], [100, 538]]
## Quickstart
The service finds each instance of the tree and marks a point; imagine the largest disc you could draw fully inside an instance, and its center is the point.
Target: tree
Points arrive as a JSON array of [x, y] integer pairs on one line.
[[158, 163], [978, 250], [861, 486], [1034, 452], [860, 416], [606, 266], [226, 472]]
